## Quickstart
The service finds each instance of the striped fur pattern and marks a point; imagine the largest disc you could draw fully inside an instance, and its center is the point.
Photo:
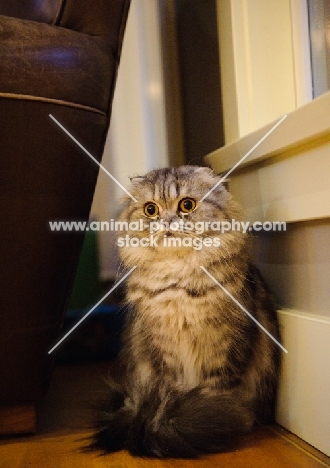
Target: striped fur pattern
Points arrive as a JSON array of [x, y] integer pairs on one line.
[[196, 370]]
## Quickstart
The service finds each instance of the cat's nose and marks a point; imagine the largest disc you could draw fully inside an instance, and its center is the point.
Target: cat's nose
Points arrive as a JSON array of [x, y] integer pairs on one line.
[[168, 218]]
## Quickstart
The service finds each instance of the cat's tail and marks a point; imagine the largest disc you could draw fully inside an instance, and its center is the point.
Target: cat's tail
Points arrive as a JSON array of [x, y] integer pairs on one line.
[[179, 426]]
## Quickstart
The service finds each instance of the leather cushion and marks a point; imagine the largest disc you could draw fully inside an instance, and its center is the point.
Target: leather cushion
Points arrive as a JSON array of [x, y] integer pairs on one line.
[[51, 62]]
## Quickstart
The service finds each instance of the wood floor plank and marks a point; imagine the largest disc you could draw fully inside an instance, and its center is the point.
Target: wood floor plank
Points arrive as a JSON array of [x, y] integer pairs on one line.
[[64, 413], [263, 448]]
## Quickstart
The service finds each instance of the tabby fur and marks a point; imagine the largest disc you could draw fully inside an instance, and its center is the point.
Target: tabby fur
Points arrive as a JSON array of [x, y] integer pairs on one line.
[[196, 371]]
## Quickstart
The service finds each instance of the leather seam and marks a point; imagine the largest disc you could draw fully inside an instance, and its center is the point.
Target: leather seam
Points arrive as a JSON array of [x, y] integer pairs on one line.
[[60, 102]]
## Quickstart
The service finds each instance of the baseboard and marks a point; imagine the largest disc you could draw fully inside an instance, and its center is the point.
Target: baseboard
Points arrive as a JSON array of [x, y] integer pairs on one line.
[[18, 419], [304, 392]]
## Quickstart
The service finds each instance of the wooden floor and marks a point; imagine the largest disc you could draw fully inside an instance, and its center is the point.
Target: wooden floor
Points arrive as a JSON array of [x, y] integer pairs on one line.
[[64, 415]]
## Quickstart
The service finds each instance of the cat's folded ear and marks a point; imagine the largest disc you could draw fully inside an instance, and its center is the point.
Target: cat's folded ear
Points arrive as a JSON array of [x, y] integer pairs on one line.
[[217, 177], [136, 179], [205, 170]]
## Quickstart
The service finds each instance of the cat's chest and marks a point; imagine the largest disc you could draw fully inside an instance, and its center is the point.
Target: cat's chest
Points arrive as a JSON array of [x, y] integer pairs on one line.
[[189, 350], [183, 323], [175, 306]]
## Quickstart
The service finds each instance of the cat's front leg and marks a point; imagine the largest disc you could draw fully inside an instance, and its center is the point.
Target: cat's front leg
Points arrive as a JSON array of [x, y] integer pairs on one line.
[[139, 382]]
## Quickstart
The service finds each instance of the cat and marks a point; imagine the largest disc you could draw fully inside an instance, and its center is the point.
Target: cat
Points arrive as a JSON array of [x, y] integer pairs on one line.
[[196, 371]]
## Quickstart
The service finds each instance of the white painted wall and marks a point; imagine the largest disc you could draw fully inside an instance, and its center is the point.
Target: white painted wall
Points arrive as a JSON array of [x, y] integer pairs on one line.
[[137, 140], [303, 403]]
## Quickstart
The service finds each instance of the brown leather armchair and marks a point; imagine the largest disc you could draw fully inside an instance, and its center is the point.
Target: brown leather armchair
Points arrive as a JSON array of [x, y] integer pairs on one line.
[[57, 57]]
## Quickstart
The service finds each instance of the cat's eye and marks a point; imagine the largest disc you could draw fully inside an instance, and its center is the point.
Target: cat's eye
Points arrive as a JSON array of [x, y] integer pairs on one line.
[[187, 205], [151, 209]]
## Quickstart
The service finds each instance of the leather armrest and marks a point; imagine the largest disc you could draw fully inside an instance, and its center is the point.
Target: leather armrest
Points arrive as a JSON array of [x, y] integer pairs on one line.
[[60, 59]]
